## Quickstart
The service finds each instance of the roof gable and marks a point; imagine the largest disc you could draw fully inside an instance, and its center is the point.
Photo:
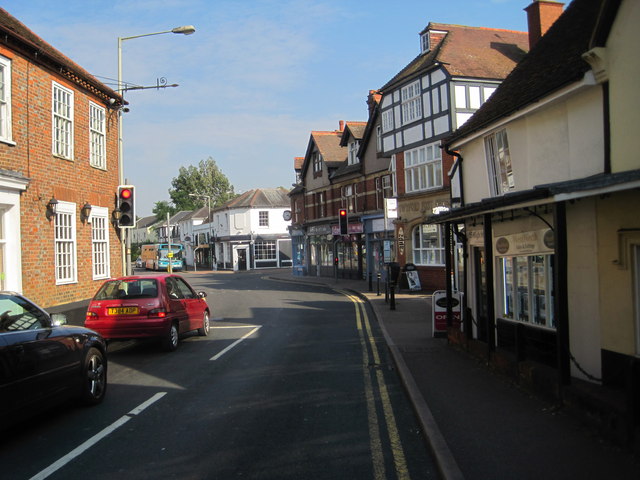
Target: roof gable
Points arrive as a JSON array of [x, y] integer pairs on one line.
[[555, 62], [17, 36], [474, 52]]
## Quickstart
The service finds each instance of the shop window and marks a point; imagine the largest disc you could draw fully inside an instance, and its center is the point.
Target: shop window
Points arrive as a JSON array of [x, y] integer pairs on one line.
[[526, 289], [428, 245]]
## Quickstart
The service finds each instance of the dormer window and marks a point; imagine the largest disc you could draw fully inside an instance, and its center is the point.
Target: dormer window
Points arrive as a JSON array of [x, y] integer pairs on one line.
[[353, 152], [429, 39], [424, 42]]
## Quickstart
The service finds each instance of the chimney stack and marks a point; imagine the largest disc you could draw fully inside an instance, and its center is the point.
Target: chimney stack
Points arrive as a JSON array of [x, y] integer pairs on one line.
[[341, 126], [373, 99], [541, 14]]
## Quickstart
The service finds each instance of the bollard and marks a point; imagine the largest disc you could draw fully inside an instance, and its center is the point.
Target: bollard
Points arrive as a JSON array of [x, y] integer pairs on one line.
[[379, 275], [392, 302]]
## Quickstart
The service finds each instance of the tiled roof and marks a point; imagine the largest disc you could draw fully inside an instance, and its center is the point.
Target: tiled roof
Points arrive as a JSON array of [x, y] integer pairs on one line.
[[297, 163], [145, 222], [328, 144], [474, 52], [260, 198], [555, 62], [15, 34]]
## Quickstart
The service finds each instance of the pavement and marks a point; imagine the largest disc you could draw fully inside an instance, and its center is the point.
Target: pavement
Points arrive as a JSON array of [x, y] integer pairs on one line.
[[477, 423]]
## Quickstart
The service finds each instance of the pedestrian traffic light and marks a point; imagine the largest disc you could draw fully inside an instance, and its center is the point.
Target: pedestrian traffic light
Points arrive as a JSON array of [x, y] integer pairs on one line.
[[344, 221], [126, 205]]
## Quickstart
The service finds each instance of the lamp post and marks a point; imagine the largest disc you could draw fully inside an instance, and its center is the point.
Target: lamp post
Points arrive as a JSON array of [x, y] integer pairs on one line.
[[184, 30], [208, 197]]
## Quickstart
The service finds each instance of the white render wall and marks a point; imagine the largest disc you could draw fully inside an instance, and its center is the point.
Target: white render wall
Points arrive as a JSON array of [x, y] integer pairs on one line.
[[560, 141]]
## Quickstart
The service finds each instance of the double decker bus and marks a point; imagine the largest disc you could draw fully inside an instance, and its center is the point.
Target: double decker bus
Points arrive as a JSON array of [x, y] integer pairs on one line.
[[157, 256]]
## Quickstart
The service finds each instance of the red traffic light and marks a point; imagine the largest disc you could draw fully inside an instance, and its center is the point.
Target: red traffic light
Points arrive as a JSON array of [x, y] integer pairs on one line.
[[343, 212], [125, 193]]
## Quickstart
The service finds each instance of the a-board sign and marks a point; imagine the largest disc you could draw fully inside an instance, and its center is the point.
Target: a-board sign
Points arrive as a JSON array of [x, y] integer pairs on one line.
[[439, 310]]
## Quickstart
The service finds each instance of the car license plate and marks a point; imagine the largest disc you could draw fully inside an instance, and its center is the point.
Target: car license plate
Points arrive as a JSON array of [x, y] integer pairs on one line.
[[122, 310]]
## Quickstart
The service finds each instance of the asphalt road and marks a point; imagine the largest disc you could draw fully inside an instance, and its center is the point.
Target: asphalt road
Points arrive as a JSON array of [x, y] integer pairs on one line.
[[293, 382]]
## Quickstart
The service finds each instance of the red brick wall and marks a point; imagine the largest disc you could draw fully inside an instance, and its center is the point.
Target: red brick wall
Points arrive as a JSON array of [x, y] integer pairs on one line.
[[68, 180]]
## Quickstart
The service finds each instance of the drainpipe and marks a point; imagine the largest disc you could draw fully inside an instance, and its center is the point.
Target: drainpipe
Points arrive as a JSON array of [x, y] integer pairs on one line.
[[457, 165]]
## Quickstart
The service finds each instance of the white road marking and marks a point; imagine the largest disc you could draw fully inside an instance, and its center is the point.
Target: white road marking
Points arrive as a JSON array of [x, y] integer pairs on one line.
[[216, 357], [76, 452]]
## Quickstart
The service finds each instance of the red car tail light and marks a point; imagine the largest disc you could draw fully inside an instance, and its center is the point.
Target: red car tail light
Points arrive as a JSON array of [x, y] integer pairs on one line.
[[158, 312], [91, 316]]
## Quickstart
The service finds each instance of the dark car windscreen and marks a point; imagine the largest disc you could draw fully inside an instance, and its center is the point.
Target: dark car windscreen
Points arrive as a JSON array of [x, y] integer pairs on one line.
[[18, 314], [118, 289]]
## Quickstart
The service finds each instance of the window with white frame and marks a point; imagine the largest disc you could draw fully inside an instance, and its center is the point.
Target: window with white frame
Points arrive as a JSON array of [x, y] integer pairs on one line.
[[62, 121], [428, 245], [320, 205], [526, 289], [423, 168], [384, 189], [100, 242], [499, 163], [349, 197], [379, 138], [263, 218], [387, 120], [65, 243], [265, 250], [97, 136], [411, 103], [5, 99], [353, 152], [317, 162]]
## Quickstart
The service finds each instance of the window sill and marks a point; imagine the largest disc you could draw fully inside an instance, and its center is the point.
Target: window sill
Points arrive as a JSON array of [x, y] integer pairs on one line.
[[8, 142]]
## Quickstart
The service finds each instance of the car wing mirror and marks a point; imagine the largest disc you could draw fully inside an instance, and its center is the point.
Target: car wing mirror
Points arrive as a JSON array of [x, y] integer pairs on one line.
[[58, 319], [202, 294]]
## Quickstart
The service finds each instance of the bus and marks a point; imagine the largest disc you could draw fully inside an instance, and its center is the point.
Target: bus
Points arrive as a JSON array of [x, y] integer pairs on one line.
[[156, 256]]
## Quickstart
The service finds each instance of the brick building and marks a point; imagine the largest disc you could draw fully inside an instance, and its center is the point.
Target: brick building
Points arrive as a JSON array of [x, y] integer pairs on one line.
[[58, 172]]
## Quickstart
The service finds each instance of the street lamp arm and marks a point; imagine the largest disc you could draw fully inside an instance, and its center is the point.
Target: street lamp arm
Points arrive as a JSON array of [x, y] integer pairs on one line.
[[184, 30]]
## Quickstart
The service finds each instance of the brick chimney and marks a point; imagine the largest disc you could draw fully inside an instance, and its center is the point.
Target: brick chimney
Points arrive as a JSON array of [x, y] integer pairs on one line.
[[540, 16], [341, 126], [373, 99]]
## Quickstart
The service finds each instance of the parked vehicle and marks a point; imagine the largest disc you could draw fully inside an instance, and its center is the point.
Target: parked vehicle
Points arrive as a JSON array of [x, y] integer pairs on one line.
[[147, 306], [139, 263], [158, 255], [43, 361]]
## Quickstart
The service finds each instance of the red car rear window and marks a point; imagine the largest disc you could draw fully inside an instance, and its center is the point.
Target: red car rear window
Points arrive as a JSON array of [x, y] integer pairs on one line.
[[117, 289]]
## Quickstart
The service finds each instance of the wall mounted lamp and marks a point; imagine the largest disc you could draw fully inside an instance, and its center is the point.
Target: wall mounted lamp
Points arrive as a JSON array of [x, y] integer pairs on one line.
[[85, 211], [52, 207]]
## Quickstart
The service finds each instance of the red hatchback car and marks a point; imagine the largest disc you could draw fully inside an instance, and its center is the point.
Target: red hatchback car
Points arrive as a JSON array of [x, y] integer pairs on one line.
[[148, 306]]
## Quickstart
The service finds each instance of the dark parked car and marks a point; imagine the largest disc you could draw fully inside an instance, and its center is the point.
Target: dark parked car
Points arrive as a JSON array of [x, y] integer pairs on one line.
[[43, 361], [148, 306]]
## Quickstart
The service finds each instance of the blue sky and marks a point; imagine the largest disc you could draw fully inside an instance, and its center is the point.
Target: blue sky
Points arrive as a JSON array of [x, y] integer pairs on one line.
[[255, 79]]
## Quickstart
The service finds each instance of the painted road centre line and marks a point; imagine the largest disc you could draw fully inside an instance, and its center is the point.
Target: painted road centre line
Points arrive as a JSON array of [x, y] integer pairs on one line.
[[76, 452], [237, 342], [371, 355]]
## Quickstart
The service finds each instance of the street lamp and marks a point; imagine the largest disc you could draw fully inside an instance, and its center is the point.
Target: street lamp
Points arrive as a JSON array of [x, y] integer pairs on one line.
[[208, 197], [184, 30]]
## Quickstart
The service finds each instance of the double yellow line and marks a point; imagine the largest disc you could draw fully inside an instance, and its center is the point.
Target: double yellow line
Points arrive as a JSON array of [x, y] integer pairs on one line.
[[371, 356]]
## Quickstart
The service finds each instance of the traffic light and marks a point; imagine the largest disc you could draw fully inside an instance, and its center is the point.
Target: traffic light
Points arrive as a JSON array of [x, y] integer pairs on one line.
[[344, 221], [127, 206]]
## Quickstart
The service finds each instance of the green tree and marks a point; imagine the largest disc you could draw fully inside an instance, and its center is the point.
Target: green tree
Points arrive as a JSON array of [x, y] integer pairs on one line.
[[161, 208], [205, 179]]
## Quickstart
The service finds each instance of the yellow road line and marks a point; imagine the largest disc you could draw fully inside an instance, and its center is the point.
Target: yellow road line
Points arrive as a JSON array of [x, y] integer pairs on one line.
[[366, 337]]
